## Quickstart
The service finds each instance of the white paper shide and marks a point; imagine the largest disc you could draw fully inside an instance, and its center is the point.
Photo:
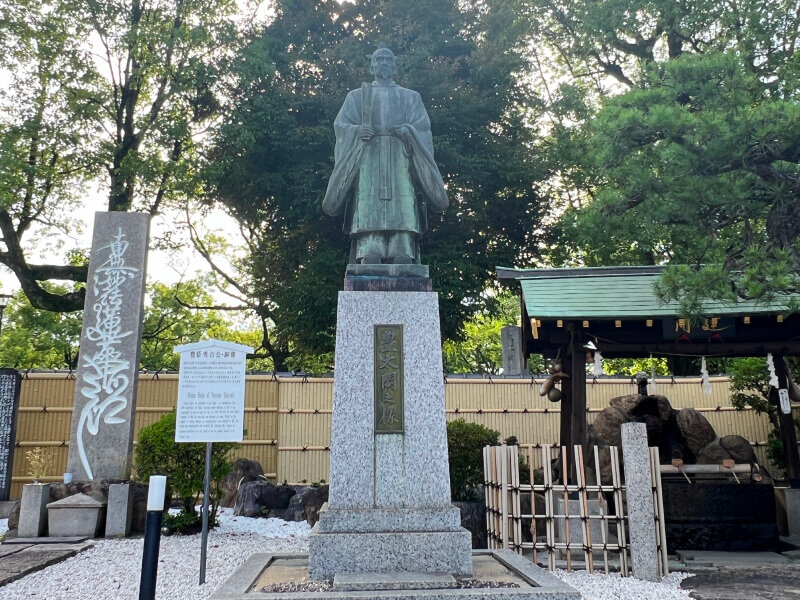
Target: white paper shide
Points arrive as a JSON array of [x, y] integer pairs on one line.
[[211, 392]]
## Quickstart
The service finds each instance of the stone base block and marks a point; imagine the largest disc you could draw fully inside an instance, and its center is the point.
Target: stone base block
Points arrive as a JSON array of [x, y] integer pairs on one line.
[[792, 496], [391, 270], [426, 552], [33, 510], [119, 512], [388, 520]]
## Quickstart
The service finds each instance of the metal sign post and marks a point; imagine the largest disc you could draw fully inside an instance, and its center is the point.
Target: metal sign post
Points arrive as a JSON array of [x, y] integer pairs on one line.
[[204, 535], [210, 406]]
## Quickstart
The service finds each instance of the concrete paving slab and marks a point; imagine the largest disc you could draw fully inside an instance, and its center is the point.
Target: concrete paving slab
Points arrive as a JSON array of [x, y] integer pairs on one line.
[[731, 560], [773, 582], [16, 566], [7, 549]]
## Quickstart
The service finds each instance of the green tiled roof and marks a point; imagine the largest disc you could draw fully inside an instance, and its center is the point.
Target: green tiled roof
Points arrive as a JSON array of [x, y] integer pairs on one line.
[[610, 294]]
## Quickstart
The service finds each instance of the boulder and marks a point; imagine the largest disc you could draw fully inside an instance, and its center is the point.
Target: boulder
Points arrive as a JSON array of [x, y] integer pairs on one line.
[[525, 509], [243, 471], [712, 454], [608, 425], [296, 509], [13, 517], [626, 404], [248, 500], [258, 498], [314, 501], [739, 448], [473, 519], [657, 406], [697, 432]]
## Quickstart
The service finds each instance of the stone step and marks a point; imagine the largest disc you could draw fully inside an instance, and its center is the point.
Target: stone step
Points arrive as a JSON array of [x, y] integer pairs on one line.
[[356, 582]]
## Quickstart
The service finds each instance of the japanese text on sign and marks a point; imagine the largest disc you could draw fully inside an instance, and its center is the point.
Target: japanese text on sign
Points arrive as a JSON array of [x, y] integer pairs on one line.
[[211, 396], [388, 379]]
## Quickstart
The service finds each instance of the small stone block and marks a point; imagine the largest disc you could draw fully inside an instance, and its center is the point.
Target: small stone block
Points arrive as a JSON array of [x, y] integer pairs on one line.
[[76, 515], [33, 510], [119, 511], [354, 582]]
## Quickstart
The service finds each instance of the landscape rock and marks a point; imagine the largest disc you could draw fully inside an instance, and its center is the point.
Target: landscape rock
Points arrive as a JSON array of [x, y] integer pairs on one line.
[[697, 432], [608, 425], [316, 498], [243, 471], [473, 519], [625, 404], [259, 498], [712, 454], [296, 509], [739, 448], [13, 517]]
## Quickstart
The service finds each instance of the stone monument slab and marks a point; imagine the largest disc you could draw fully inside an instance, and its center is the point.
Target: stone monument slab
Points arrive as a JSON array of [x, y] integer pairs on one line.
[[639, 495], [10, 383], [101, 436], [511, 344]]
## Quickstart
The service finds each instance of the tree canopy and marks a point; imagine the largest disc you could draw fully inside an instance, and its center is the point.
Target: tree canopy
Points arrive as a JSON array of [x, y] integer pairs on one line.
[[678, 133], [274, 152]]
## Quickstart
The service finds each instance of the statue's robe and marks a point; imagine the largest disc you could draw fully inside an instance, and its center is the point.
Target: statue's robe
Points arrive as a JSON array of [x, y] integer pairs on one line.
[[384, 184]]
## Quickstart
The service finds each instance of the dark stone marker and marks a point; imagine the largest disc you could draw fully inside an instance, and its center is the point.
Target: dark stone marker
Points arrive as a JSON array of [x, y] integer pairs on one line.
[[10, 383]]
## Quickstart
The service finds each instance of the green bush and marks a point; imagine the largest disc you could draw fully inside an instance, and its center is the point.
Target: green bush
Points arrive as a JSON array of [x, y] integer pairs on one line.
[[465, 442], [157, 453]]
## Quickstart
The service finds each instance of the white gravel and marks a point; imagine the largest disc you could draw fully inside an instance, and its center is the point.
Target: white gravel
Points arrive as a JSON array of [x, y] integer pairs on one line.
[[613, 587], [3, 526], [111, 569]]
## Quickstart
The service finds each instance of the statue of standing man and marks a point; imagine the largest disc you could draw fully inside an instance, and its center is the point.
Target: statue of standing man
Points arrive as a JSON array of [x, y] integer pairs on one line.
[[385, 179]]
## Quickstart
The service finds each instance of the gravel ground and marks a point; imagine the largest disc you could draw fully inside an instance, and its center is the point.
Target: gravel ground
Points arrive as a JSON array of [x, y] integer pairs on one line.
[[614, 587], [3, 526], [111, 569]]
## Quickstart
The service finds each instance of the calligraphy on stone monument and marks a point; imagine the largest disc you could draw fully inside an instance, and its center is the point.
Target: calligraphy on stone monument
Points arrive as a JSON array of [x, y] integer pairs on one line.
[[106, 378], [388, 373]]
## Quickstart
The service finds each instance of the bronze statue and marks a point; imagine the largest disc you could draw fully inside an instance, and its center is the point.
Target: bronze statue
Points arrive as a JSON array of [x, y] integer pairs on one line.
[[385, 178]]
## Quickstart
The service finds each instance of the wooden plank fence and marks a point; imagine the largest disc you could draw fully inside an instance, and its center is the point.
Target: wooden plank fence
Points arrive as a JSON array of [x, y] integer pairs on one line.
[[551, 541]]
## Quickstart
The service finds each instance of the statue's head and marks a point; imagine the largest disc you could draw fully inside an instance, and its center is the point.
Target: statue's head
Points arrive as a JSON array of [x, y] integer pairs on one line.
[[383, 64]]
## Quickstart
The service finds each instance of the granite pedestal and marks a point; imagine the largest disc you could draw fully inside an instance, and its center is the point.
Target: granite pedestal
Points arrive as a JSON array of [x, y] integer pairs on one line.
[[389, 504]]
